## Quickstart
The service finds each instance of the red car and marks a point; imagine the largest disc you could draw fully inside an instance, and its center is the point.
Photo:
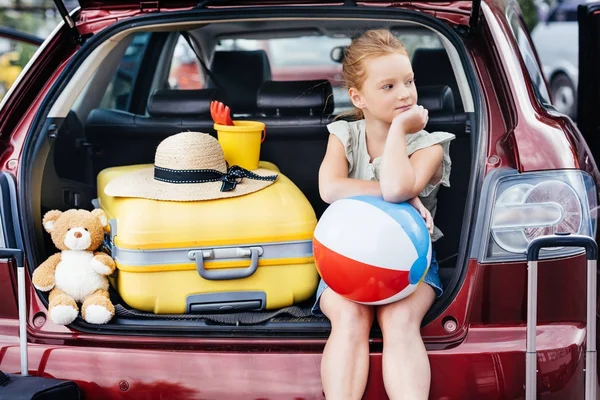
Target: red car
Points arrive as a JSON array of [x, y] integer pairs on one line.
[[520, 170]]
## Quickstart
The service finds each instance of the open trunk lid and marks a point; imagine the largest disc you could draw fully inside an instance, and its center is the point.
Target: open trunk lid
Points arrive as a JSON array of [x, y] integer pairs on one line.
[[158, 5]]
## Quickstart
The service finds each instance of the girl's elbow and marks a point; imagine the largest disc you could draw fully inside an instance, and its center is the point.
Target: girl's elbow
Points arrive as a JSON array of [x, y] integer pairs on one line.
[[392, 194], [327, 198], [326, 193], [396, 189], [390, 197], [396, 194]]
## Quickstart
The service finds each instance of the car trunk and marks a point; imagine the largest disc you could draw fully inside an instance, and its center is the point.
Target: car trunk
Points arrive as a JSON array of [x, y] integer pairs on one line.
[[67, 148]]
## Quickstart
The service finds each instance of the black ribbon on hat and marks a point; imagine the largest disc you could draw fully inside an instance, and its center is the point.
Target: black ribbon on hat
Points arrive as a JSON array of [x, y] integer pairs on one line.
[[234, 175]]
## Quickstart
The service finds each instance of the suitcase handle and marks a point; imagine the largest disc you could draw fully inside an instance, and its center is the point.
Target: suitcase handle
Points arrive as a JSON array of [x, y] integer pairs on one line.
[[533, 252], [562, 240], [226, 273]]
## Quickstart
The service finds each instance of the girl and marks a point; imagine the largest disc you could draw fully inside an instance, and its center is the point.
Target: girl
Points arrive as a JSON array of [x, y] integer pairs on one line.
[[385, 152]]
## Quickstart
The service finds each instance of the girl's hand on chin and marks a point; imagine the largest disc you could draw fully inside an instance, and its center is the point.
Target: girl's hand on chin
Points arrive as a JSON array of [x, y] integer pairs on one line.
[[412, 120]]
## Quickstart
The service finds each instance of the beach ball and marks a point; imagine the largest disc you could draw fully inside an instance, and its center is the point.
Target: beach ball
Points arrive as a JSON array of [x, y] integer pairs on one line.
[[371, 251]]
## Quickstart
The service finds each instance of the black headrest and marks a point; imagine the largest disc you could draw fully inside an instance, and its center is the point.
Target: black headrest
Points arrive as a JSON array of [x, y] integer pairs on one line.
[[239, 74], [436, 98], [314, 97], [171, 103], [432, 67]]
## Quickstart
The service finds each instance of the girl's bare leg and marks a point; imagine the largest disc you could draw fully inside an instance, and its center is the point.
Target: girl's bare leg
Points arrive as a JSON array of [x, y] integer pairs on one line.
[[406, 371], [345, 362]]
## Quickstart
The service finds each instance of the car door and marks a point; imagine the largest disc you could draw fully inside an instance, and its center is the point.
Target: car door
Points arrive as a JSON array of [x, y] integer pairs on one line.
[[16, 48], [588, 117]]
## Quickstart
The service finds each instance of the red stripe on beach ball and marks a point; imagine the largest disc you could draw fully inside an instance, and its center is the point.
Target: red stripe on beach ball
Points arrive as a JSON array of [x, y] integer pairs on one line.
[[356, 280]]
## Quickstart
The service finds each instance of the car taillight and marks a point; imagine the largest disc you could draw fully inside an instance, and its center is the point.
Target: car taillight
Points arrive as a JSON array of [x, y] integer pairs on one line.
[[524, 206]]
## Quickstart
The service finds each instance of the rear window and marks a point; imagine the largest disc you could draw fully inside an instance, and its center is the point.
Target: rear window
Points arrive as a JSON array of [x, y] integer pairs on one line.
[[120, 90], [185, 71], [309, 57], [527, 53]]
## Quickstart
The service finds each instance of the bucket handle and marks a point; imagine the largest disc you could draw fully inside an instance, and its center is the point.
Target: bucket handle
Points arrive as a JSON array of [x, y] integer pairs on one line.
[[264, 135]]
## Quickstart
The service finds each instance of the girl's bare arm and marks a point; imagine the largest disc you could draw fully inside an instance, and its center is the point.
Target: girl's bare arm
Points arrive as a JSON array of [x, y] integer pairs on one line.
[[334, 183], [403, 177]]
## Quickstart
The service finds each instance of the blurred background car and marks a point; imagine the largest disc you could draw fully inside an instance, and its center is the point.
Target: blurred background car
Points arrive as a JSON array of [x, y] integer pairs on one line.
[[557, 42]]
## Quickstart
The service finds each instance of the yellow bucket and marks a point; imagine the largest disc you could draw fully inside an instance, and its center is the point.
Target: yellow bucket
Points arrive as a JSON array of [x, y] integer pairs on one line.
[[241, 142]]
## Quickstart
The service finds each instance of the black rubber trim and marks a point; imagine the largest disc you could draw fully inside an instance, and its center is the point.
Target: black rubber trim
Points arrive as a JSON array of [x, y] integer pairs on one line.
[[33, 141], [13, 34], [9, 217]]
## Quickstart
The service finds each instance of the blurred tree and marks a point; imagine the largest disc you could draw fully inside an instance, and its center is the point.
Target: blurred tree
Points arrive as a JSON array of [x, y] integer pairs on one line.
[[26, 51], [530, 13], [38, 17], [25, 22]]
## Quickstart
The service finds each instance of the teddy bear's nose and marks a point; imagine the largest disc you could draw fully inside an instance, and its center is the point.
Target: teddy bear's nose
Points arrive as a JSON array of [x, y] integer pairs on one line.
[[77, 235]]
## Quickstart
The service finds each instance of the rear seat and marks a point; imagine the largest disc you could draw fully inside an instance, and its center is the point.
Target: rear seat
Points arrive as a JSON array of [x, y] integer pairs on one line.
[[439, 100], [121, 138], [312, 99], [296, 114], [239, 74], [433, 68]]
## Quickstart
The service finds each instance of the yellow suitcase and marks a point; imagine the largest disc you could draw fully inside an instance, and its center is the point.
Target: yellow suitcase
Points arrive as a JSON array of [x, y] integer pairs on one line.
[[250, 252]]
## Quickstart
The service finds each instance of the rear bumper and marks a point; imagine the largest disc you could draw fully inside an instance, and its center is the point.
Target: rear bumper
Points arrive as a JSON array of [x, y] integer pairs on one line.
[[488, 364]]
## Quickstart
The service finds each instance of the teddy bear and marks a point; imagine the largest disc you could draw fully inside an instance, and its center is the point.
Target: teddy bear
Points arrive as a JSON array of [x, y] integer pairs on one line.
[[77, 274]]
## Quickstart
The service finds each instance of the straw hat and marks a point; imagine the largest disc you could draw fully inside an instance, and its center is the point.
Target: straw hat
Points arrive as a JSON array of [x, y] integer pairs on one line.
[[189, 166]]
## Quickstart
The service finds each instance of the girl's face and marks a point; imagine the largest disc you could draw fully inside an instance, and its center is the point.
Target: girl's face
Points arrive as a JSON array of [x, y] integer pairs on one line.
[[389, 87]]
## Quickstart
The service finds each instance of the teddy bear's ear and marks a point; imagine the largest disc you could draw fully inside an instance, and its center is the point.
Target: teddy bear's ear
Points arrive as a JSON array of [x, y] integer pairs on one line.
[[50, 218], [101, 215]]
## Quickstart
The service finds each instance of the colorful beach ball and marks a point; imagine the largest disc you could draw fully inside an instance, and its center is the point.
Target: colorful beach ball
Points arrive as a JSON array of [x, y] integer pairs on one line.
[[371, 251]]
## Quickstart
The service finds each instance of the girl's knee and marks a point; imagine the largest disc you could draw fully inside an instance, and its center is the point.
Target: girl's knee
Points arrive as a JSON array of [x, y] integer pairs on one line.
[[399, 319], [347, 315], [406, 315], [355, 320]]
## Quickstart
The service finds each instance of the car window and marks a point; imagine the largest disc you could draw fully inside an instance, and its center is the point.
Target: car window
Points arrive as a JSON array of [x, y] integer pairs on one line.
[[14, 55], [309, 51], [119, 91], [309, 57], [185, 72], [528, 54]]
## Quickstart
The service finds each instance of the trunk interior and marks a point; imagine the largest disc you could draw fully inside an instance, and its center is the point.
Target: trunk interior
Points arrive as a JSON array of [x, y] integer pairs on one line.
[[134, 97]]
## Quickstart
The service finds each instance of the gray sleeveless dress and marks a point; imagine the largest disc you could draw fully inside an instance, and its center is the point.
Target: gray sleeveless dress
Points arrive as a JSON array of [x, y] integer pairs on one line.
[[353, 137]]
